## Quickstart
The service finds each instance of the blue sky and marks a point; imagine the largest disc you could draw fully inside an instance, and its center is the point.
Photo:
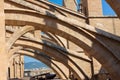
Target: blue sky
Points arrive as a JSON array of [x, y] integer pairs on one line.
[[106, 11], [106, 8], [29, 59]]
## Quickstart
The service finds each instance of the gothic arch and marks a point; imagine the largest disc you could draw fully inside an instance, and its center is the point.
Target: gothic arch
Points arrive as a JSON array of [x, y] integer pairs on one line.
[[17, 34], [55, 65], [52, 52], [79, 37]]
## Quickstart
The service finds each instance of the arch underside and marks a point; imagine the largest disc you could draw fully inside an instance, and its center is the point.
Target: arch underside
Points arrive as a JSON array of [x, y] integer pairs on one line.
[[81, 34], [62, 72], [61, 56]]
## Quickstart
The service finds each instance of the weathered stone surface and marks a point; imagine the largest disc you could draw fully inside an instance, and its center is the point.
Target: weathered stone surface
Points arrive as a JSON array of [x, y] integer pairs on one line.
[[71, 40]]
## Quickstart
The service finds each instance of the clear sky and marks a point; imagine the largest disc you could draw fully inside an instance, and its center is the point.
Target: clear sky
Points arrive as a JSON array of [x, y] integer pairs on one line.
[[106, 11], [106, 8], [29, 59]]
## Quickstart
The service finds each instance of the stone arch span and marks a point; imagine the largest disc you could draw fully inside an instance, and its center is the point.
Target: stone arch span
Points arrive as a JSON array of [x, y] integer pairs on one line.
[[55, 65], [47, 42], [71, 53], [17, 34], [76, 35], [79, 73]]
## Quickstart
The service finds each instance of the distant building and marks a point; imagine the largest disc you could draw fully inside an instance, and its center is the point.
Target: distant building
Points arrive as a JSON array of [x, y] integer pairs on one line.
[[33, 72]]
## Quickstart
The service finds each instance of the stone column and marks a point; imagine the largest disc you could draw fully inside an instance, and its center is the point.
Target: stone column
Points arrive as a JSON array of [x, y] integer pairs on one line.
[[92, 7], [3, 56], [17, 67], [22, 66], [11, 69], [14, 68]]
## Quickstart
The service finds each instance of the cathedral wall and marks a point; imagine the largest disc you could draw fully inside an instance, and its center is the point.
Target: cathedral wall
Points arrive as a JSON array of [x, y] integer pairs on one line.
[[109, 24]]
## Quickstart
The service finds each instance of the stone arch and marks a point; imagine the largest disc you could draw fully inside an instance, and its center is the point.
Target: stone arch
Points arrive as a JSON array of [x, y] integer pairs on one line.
[[72, 54], [92, 46], [69, 52], [55, 65], [17, 34], [58, 56]]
